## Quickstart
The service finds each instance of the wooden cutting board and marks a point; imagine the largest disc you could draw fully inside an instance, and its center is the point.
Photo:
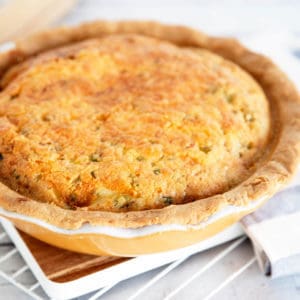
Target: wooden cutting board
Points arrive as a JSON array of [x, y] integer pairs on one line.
[[62, 265]]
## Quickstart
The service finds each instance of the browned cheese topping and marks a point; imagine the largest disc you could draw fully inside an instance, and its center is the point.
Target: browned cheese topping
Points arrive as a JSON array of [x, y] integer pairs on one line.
[[128, 123]]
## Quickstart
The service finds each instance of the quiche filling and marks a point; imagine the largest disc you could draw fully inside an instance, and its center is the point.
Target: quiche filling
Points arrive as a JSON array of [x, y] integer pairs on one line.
[[126, 122]]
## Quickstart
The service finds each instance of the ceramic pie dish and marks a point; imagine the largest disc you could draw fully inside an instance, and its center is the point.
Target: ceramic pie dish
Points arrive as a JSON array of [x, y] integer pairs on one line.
[[129, 138]]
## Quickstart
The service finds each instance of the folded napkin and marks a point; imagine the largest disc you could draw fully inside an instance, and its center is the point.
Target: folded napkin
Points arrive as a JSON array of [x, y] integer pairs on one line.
[[274, 231]]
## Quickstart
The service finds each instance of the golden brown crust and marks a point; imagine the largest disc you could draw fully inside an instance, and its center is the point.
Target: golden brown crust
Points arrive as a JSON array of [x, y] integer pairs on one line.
[[272, 174]]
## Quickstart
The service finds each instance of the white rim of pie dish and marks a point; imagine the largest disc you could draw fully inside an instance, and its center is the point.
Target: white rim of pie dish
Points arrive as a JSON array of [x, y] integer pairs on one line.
[[128, 233]]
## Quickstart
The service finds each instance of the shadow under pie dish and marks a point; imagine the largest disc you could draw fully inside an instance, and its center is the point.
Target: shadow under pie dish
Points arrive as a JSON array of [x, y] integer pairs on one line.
[[128, 138]]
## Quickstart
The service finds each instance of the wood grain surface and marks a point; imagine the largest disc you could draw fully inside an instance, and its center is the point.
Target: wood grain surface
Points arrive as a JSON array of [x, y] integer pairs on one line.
[[62, 265]]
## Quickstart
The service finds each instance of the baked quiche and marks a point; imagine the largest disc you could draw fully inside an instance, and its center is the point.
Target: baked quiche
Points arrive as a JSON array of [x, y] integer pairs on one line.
[[133, 123]]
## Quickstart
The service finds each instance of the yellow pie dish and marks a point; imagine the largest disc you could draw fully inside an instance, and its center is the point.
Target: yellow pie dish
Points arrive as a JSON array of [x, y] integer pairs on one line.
[[129, 138]]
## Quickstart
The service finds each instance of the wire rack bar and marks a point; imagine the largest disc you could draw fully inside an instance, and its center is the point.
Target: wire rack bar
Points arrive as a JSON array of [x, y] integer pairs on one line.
[[20, 271], [157, 277], [34, 286], [101, 292], [3, 235], [230, 278], [211, 263], [19, 286], [8, 255]]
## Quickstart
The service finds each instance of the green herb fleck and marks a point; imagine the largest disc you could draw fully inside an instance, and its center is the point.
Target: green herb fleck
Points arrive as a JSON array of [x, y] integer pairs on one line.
[[116, 203], [1, 156], [72, 201], [95, 157], [93, 174], [38, 177], [213, 89], [205, 149], [126, 205], [167, 200], [133, 181], [122, 201], [25, 131], [250, 146], [73, 197], [156, 171], [13, 97], [152, 142], [230, 98], [46, 118], [77, 179]]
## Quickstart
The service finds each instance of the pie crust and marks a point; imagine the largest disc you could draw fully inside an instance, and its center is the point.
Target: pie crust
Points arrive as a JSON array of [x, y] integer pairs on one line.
[[273, 173]]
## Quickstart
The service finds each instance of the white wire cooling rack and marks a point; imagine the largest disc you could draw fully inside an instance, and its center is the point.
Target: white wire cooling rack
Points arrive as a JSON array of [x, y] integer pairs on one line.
[[16, 271]]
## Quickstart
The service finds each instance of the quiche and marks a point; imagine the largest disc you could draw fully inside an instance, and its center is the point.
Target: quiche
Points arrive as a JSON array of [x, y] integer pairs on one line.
[[127, 122], [133, 124]]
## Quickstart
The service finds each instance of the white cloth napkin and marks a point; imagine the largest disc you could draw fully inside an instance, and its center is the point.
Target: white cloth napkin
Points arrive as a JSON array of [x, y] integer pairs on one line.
[[274, 229]]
